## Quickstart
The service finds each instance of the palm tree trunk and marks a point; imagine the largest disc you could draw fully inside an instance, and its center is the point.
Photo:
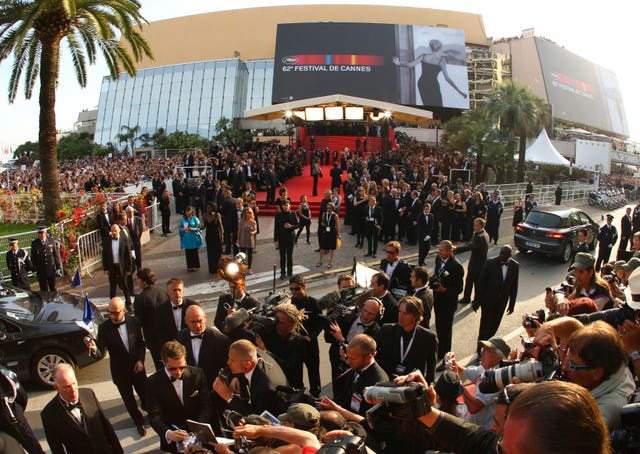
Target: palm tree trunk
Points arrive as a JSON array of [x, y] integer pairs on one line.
[[521, 155], [47, 123]]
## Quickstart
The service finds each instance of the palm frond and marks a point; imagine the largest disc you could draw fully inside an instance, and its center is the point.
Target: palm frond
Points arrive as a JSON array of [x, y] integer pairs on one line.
[[33, 68], [78, 58]]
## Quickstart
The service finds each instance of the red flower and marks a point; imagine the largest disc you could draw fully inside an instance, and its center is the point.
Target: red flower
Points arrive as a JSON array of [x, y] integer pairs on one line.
[[60, 214]]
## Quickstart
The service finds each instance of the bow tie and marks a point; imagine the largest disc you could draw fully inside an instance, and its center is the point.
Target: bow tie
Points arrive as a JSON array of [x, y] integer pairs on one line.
[[118, 324], [365, 325], [177, 306], [197, 336], [114, 239], [174, 378], [72, 406]]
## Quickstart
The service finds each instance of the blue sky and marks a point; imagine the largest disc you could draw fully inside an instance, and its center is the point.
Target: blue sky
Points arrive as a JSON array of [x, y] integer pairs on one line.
[[603, 33]]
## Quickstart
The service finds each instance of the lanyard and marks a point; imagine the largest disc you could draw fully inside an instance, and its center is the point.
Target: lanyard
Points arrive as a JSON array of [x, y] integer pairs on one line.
[[403, 353]]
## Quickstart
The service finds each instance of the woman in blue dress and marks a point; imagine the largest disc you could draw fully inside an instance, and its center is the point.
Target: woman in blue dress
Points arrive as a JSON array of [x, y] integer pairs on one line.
[[191, 238]]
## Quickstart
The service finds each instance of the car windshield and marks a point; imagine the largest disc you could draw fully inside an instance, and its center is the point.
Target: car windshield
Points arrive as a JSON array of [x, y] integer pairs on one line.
[[544, 220], [20, 305]]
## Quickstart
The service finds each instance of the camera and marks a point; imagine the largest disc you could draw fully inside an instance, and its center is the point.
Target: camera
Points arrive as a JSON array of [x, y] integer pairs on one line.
[[400, 403], [546, 368], [530, 319], [224, 374], [338, 312], [231, 418], [627, 439], [344, 444], [434, 283]]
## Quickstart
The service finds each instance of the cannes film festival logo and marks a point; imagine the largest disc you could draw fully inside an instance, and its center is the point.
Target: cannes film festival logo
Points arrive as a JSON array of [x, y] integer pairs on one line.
[[289, 60]]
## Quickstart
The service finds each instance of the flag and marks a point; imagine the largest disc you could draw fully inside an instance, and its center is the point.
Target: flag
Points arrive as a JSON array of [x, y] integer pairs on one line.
[[87, 315], [77, 280]]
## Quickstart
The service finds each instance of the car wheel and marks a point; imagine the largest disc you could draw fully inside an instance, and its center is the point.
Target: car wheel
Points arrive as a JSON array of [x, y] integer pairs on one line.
[[523, 250], [43, 363], [566, 253]]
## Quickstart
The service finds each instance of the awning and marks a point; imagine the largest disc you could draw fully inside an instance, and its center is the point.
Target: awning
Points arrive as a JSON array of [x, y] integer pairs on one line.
[[398, 112]]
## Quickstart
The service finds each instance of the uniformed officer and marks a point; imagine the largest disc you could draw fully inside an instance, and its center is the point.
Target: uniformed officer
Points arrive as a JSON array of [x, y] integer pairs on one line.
[[19, 264], [46, 260], [607, 237]]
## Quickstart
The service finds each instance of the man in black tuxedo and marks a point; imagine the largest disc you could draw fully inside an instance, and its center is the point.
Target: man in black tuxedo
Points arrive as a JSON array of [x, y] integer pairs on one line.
[[448, 275], [256, 378], [344, 328], [171, 313], [419, 281], [104, 220], [236, 298], [229, 220], [626, 231], [412, 213], [372, 224], [178, 192], [270, 181], [198, 197], [135, 225], [607, 237], [117, 263], [497, 286], [176, 393], [46, 260], [398, 270], [122, 336], [19, 265], [284, 235], [73, 420], [583, 246], [425, 232], [364, 371], [207, 348], [391, 205], [380, 289], [145, 306], [479, 247], [188, 162], [436, 210], [405, 345]]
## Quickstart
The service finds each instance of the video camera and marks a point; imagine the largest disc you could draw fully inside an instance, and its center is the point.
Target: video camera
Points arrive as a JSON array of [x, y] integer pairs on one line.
[[254, 322], [627, 439], [232, 419], [344, 445], [403, 403], [539, 317], [530, 370]]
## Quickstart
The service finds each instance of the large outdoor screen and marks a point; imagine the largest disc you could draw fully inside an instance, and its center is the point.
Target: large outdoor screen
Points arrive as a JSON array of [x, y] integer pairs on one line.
[[581, 91], [403, 64]]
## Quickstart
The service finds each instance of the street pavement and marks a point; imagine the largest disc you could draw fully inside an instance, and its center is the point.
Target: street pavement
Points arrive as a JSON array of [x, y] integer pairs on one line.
[[163, 255]]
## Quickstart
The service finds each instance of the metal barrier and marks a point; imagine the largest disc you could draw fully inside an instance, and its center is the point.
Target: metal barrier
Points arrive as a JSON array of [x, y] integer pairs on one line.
[[89, 250], [544, 195]]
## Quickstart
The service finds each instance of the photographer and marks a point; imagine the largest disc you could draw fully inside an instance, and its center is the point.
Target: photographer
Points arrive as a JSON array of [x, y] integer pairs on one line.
[[589, 283], [481, 405], [537, 422], [380, 283], [341, 330], [236, 298], [330, 299], [285, 343]]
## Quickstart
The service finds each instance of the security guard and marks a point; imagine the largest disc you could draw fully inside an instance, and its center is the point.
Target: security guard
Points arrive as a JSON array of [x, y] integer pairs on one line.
[[607, 238], [19, 264], [46, 260]]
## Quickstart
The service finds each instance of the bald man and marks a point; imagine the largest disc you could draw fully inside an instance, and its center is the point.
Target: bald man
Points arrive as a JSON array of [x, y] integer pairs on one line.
[[122, 336], [207, 347]]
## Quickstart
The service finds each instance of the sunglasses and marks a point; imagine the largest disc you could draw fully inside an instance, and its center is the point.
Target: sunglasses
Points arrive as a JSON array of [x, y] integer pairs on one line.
[[294, 289], [114, 312], [390, 252], [173, 369]]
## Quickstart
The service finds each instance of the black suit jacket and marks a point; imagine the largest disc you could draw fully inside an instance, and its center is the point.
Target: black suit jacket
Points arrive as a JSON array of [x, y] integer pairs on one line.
[[479, 247], [377, 216], [426, 296], [213, 351], [421, 355], [345, 325], [64, 434], [229, 214], [492, 290], [401, 276], [626, 226], [125, 261], [282, 234], [104, 221], [451, 279], [165, 408], [345, 386], [266, 378], [136, 231], [247, 302], [425, 227], [145, 307], [166, 325], [121, 360], [45, 257]]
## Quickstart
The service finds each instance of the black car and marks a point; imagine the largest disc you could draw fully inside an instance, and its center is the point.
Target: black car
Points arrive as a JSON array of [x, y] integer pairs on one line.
[[39, 331], [554, 231]]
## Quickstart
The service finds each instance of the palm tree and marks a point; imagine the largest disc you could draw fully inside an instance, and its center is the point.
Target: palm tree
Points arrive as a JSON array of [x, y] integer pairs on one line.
[[128, 136], [519, 112], [33, 31]]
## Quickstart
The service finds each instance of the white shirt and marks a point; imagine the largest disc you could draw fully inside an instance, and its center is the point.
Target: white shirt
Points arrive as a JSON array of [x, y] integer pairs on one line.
[[76, 413], [177, 315], [504, 272], [391, 267], [115, 248], [196, 344], [177, 385], [355, 329], [124, 335]]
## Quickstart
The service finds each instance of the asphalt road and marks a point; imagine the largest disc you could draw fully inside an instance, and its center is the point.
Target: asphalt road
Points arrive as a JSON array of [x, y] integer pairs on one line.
[[165, 258]]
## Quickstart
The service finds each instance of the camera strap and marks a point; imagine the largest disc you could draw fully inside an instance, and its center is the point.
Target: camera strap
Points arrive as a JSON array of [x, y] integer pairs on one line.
[[403, 352]]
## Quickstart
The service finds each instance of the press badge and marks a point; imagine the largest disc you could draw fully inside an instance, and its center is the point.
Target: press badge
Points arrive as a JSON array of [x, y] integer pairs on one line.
[[401, 369], [327, 229], [356, 400]]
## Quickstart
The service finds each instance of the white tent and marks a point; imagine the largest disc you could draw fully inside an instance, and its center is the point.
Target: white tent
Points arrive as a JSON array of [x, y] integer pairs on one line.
[[542, 151]]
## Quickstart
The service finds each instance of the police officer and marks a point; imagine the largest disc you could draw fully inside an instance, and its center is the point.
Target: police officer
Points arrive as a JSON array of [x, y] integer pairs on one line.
[[607, 237], [19, 264], [46, 260]]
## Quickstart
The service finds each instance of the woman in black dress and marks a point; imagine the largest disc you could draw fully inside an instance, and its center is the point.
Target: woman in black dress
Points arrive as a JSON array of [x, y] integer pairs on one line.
[[518, 213], [165, 211], [304, 215], [213, 237], [359, 206], [329, 234], [460, 212]]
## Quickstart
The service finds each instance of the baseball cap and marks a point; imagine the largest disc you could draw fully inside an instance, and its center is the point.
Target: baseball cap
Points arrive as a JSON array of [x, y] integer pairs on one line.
[[499, 344], [584, 261], [632, 292], [301, 415], [619, 265], [632, 264]]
